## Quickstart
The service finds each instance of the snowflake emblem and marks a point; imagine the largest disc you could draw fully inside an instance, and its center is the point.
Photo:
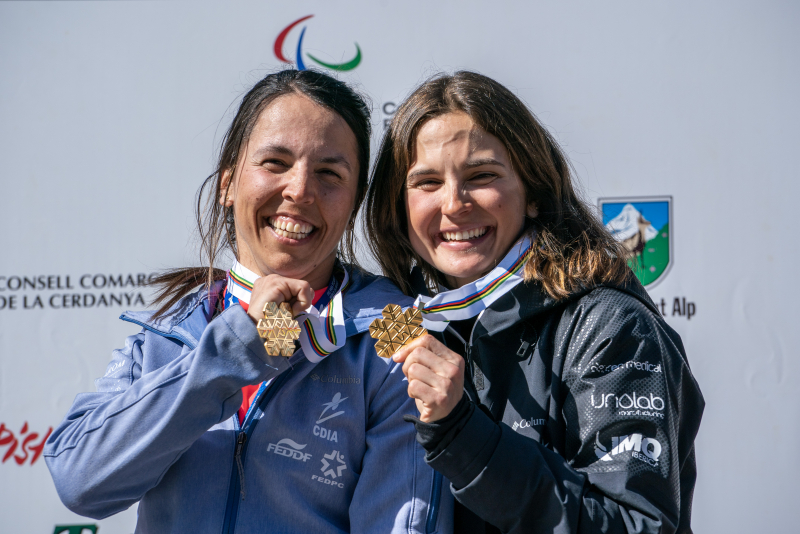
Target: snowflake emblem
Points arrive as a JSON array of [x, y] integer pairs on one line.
[[278, 329], [397, 328]]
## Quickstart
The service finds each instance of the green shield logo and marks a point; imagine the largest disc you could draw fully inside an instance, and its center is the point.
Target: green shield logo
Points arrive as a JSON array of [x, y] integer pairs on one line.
[[642, 225]]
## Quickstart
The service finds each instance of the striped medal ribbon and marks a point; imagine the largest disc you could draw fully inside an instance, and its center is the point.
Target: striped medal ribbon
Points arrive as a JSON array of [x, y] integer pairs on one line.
[[240, 286], [321, 332], [397, 327], [470, 299]]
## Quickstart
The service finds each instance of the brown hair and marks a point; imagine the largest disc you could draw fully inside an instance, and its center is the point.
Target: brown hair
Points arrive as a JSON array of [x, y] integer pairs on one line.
[[571, 248], [215, 223]]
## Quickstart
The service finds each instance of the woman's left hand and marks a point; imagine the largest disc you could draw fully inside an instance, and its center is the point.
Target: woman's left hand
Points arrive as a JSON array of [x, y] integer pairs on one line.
[[435, 376]]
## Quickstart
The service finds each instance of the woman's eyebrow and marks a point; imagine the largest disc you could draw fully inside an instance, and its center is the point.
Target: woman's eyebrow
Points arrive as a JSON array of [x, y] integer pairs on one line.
[[336, 160], [481, 162], [280, 149], [272, 149], [421, 172]]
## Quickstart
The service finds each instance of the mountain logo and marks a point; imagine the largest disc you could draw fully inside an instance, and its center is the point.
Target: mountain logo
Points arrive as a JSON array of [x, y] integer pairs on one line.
[[642, 225], [278, 49]]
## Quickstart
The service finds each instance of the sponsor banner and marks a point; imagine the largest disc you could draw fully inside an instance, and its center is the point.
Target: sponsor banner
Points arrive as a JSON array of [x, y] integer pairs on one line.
[[23, 447], [71, 292], [101, 169]]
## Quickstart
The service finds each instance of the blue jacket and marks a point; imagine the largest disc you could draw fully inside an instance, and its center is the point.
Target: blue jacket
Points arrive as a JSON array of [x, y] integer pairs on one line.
[[324, 449]]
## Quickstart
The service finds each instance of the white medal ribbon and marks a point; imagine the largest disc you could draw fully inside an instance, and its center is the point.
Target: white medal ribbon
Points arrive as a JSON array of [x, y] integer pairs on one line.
[[471, 299]]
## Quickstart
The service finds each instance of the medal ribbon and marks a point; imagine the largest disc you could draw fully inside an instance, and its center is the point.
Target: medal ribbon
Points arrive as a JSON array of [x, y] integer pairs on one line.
[[470, 299], [240, 286], [321, 332]]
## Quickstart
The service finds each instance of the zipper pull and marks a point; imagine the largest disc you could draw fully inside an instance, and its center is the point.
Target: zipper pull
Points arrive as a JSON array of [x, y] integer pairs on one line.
[[240, 439]]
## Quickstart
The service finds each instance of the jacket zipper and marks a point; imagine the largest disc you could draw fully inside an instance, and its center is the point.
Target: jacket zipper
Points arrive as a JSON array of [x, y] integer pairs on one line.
[[469, 382], [433, 506], [476, 375], [236, 487], [240, 441], [436, 486]]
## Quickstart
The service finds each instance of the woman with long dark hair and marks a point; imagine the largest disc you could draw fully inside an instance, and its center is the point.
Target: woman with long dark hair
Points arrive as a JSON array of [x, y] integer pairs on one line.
[[209, 418], [555, 398]]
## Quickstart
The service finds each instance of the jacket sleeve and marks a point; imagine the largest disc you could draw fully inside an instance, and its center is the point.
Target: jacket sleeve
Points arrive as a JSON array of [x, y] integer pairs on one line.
[[117, 443], [396, 491], [630, 410]]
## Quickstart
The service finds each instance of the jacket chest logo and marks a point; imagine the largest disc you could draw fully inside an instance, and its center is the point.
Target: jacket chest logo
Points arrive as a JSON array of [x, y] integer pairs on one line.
[[330, 411]]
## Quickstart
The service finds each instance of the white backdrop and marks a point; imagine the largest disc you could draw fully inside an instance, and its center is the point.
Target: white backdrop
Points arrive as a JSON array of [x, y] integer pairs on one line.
[[111, 113]]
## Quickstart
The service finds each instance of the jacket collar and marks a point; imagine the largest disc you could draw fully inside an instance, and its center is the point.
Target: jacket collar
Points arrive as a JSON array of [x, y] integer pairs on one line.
[[527, 300]]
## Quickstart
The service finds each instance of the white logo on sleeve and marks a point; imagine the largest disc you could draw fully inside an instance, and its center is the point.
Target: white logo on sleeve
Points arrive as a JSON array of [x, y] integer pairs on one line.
[[290, 449], [631, 404], [644, 449], [639, 366], [527, 423]]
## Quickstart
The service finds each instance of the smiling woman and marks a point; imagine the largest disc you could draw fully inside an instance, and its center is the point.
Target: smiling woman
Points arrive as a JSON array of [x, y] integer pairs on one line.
[[260, 147], [472, 200], [174, 424], [468, 203], [499, 146], [293, 190]]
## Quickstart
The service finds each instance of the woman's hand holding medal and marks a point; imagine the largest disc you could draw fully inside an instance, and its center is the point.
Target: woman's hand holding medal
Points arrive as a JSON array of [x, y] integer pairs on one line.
[[435, 376], [275, 288]]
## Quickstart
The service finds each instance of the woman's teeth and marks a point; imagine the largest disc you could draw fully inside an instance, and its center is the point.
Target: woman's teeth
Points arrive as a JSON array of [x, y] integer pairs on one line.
[[463, 236], [290, 229]]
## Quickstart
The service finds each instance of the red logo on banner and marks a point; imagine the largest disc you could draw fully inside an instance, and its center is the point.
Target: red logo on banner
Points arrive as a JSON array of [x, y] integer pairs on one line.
[[278, 49], [26, 445]]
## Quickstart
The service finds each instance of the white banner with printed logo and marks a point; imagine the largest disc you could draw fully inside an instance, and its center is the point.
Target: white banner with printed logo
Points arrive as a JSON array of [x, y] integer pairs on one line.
[[680, 120]]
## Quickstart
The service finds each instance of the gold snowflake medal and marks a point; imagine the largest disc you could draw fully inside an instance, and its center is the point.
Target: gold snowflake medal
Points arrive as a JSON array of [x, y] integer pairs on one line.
[[396, 329], [279, 329]]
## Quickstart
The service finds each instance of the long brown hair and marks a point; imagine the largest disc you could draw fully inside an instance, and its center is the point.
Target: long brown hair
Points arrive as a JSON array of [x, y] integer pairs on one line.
[[571, 248], [215, 223]]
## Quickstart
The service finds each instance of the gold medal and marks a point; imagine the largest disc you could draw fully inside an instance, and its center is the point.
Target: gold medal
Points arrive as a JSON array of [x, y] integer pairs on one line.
[[279, 329], [397, 328]]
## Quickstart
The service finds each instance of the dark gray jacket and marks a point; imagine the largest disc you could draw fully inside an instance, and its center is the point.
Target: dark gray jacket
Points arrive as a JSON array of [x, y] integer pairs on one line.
[[581, 417]]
